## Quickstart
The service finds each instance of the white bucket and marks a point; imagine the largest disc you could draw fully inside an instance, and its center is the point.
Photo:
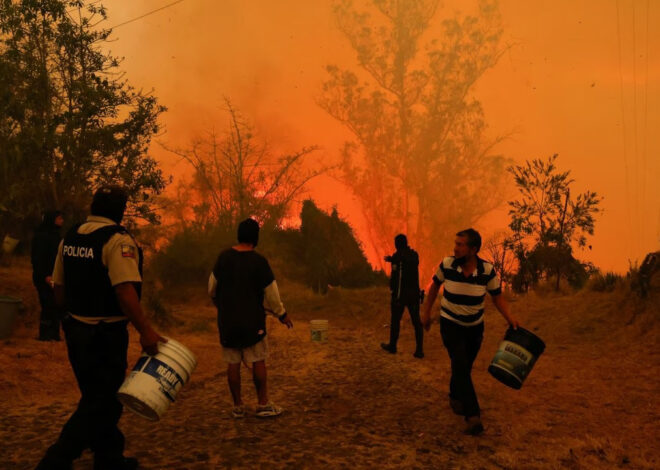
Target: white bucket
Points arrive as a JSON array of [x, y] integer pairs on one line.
[[156, 380], [9, 244], [319, 330]]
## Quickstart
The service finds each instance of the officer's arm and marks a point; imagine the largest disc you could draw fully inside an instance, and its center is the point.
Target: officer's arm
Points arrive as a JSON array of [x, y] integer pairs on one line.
[[130, 305]]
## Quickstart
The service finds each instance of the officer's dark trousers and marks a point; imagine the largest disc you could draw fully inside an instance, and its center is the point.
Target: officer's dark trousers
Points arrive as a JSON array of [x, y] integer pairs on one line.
[[396, 307], [49, 321], [98, 358], [462, 343]]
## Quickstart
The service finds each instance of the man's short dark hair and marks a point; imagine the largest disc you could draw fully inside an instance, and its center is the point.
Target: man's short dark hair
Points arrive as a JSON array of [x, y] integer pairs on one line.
[[110, 202], [400, 241], [473, 238], [248, 232]]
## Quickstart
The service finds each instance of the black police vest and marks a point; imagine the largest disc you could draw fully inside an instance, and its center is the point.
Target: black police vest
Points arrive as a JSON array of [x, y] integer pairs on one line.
[[87, 286]]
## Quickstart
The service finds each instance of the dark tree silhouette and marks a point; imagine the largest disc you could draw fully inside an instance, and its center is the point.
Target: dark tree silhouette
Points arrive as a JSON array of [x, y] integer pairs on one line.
[[69, 120], [547, 220]]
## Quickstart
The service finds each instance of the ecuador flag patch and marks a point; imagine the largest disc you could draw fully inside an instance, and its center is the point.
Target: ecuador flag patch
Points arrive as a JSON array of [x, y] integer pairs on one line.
[[128, 251]]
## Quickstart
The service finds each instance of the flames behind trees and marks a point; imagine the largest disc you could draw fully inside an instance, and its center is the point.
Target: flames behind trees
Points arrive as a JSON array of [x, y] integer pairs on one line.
[[237, 176]]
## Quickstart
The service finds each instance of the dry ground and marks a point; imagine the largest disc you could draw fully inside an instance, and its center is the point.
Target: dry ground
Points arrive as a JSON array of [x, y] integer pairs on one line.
[[590, 403]]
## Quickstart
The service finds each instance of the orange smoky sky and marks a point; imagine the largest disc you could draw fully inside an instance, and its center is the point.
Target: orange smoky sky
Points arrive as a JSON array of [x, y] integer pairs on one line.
[[580, 79]]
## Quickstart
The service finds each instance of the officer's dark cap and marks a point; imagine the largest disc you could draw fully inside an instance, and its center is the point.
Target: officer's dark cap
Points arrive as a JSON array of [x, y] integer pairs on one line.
[[110, 202], [248, 232]]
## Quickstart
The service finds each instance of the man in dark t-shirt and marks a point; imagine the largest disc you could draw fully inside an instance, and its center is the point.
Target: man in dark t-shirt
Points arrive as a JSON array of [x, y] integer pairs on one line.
[[240, 284]]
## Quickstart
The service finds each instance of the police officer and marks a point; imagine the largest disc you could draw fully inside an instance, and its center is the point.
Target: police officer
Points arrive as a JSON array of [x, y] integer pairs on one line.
[[404, 286], [97, 279]]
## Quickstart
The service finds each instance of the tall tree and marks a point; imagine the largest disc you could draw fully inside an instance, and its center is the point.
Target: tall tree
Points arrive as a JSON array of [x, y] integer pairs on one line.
[[238, 176], [547, 220], [69, 120], [420, 162]]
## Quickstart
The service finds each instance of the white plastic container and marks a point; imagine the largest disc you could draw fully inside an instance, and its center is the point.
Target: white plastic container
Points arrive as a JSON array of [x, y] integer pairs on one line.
[[319, 330], [156, 380], [9, 244]]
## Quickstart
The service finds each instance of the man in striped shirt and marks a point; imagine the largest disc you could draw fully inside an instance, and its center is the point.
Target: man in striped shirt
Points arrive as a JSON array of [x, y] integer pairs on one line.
[[466, 279]]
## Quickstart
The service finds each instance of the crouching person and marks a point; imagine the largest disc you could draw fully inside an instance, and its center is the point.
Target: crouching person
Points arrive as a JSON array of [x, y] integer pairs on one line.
[[240, 283]]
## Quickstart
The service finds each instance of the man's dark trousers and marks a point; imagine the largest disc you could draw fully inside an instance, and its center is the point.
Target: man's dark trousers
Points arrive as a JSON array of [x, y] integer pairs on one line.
[[396, 307], [98, 357], [49, 320], [462, 343]]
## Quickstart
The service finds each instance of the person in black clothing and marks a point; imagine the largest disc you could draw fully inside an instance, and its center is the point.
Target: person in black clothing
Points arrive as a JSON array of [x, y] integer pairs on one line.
[[239, 285], [97, 278], [404, 286], [44, 250]]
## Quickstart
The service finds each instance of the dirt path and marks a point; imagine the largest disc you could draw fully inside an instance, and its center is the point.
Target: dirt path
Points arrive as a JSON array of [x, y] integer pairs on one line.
[[350, 405]]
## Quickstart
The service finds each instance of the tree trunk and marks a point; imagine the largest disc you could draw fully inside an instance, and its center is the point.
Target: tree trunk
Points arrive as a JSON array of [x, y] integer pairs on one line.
[[561, 239]]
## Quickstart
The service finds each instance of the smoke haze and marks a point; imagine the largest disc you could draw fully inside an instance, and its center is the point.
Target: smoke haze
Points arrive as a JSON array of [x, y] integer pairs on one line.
[[578, 80]]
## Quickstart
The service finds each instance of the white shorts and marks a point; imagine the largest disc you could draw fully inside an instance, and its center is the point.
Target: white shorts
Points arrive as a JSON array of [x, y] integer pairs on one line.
[[255, 353]]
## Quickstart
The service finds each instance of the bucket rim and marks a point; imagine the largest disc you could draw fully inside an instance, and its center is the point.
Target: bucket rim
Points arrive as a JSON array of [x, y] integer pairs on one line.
[[531, 336], [179, 348], [175, 345]]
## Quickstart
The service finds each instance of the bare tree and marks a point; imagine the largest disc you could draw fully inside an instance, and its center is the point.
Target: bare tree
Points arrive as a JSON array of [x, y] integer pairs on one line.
[[499, 251], [236, 176]]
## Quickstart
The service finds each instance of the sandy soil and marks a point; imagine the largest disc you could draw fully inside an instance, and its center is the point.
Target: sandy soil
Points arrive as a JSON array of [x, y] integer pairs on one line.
[[590, 403]]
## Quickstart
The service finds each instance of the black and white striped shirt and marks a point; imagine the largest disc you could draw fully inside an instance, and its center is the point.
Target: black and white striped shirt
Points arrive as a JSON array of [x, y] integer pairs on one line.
[[463, 297]]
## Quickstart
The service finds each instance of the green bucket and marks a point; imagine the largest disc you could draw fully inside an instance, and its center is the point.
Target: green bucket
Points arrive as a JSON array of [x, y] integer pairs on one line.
[[516, 356], [8, 310]]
